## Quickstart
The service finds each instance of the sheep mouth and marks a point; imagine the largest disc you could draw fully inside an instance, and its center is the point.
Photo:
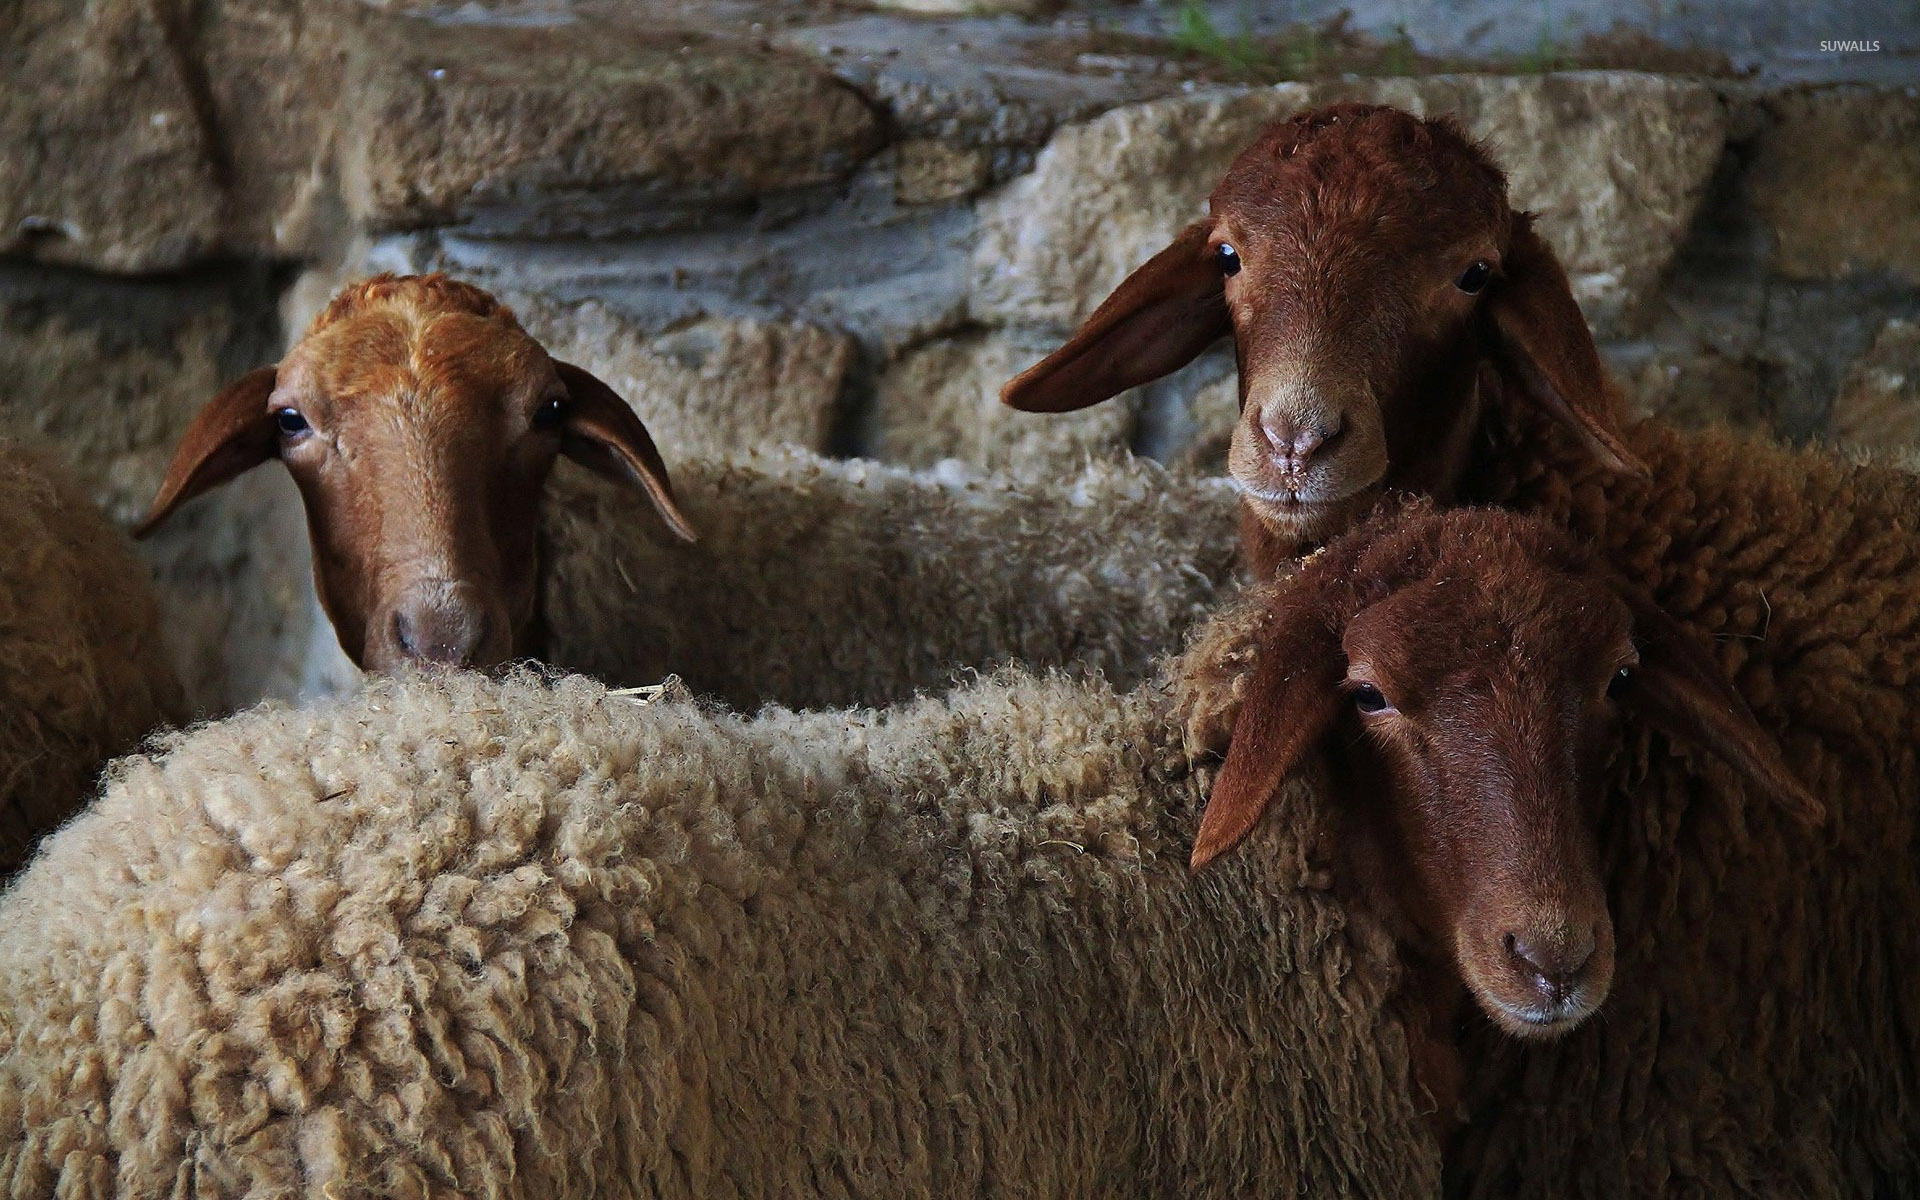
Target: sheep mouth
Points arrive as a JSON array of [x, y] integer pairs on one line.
[[1308, 498], [1537, 1022], [1305, 505]]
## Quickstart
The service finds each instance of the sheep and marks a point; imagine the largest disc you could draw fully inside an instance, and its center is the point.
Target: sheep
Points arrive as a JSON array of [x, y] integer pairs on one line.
[[1792, 1062], [1760, 1037], [465, 934], [516, 936], [824, 583], [420, 423], [1802, 571], [83, 671], [1471, 669], [819, 582], [1388, 309]]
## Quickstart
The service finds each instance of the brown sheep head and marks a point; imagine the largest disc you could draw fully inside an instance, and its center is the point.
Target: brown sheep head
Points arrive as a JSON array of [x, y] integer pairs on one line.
[[1367, 264], [1470, 669], [420, 423]]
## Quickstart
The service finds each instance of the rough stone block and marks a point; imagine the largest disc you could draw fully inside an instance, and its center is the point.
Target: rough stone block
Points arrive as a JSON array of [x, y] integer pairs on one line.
[[1697, 389], [1614, 163], [933, 172], [1879, 403], [107, 162], [942, 400], [105, 374], [1838, 179], [715, 388], [593, 126]]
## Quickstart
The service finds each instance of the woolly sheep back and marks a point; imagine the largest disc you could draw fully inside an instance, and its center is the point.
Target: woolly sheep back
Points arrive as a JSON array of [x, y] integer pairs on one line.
[[83, 671], [524, 938], [819, 583]]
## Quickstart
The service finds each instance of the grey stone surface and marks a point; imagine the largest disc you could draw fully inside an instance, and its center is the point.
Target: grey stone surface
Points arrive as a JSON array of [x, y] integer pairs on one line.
[[108, 372], [975, 82], [590, 126], [932, 172], [716, 388], [891, 275], [1615, 164], [942, 400], [941, 8], [1776, 41]]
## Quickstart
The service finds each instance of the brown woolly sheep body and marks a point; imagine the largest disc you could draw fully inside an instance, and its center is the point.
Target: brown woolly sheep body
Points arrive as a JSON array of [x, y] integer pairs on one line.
[[83, 672], [517, 938], [820, 583], [1761, 1038], [1766, 1036]]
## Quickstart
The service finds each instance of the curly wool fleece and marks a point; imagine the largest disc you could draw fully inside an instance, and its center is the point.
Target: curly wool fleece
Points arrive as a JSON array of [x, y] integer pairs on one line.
[[83, 672], [527, 939], [1762, 1037]]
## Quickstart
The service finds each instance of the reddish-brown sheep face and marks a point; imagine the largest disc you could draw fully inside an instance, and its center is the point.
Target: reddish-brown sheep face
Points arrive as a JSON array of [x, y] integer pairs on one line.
[[1352, 264], [420, 423], [1469, 669], [1368, 267], [420, 441], [1490, 723]]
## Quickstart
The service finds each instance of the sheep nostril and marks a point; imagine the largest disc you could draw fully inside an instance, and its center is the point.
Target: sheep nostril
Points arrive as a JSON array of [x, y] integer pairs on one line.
[[1293, 445], [478, 630], [442, 630], [404, 635], [1553, 966]]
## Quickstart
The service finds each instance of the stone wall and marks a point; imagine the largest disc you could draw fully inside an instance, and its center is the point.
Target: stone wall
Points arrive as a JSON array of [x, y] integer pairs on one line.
[[841, 230]]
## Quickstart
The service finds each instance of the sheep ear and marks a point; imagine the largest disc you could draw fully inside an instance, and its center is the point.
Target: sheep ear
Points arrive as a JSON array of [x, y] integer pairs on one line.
[[230, 435], [1156, 322], [604, 435], [1291, 702], [1680, 691], [1542, 330]]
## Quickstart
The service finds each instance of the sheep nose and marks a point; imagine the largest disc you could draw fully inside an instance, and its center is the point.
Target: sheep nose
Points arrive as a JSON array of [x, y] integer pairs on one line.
[[440, 625], [1552, 963], [1294, 443]]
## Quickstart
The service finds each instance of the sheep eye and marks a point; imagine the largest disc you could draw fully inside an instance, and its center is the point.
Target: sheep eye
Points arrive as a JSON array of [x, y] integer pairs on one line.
[[1621, 681], [1227, 258], [290, 422], [1368, 699], [548, 415], [1474, 278]]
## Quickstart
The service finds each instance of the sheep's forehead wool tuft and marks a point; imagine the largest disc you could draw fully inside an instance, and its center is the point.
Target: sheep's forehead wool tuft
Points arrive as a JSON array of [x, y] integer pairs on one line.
[[450, 356], [417, 296], [1380, 172]]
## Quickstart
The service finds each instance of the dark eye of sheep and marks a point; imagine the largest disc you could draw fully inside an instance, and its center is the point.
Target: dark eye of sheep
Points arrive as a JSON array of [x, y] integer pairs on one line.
[[1368, 699], [1474, 278], [548, 415], [1227, 258], [1621, 681], [291, 423]]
